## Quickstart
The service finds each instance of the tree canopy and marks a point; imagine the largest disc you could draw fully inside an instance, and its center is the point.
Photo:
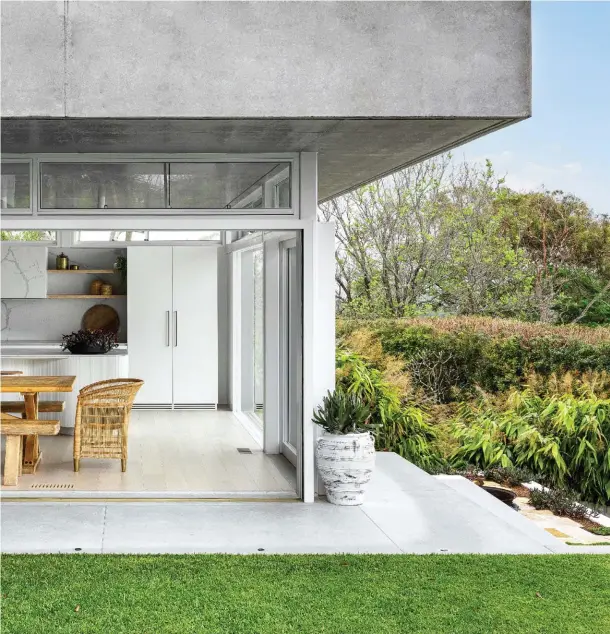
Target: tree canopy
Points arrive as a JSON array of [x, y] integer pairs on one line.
[[445, 239]]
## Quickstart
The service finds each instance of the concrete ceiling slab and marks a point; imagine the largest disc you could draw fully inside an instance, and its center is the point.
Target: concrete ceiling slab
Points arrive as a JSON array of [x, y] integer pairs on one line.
[[351, 151]]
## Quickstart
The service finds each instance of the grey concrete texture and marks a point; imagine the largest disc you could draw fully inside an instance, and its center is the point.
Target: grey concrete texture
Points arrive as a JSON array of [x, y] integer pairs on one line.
[[406, 511], [350, 152], [266, 59]]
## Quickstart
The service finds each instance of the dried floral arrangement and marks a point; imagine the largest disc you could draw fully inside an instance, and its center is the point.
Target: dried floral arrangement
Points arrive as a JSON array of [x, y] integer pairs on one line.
[[89, 341]]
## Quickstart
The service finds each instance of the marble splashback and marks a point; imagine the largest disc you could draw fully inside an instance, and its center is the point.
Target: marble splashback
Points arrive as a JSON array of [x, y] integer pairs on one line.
[[49, 319], [23, 271]]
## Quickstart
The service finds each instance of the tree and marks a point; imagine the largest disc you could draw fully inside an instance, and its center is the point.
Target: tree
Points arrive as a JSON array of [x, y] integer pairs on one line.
[[565, 242], [486, 274], [427, 239]]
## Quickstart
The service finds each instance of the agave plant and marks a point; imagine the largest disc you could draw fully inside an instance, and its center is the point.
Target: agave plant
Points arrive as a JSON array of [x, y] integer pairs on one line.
[[342, 413]]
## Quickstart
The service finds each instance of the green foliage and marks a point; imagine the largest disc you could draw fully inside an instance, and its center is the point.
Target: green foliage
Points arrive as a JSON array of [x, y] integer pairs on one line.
[[501, 395], [342, 413], [308, 594], [561, 502], [121, 266], [565, 439], [451, 365], [399, 426], [446, 238], [600, 530], [26, 236], [584, 296], [511, 476]]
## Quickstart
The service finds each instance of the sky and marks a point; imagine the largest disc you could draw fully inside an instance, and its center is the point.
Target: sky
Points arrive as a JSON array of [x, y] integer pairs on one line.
[[566, 143]]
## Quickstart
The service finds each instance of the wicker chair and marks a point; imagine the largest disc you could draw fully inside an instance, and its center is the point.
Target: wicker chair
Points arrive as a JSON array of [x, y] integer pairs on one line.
[[102, 420]]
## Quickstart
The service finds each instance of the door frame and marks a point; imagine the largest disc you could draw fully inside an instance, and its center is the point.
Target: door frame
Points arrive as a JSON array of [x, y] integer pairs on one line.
[[290, 339], [317, 282]]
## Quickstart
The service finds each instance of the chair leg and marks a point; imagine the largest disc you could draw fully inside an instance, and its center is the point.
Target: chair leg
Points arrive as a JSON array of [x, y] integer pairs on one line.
[[123, 465], [76, 464]]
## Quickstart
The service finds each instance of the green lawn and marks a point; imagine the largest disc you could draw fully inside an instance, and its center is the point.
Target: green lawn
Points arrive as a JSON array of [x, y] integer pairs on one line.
[[109, 594]]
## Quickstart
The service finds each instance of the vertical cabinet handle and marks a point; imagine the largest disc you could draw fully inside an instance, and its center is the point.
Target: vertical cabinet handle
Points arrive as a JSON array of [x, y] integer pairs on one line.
[[167, 328], [175, 328]]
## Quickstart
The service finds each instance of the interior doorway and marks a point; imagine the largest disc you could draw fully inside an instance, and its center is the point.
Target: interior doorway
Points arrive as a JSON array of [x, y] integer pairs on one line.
[[210, 322]]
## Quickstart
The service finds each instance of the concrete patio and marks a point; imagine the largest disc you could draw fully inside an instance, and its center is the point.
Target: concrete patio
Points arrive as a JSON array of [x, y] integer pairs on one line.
[[407, 511]]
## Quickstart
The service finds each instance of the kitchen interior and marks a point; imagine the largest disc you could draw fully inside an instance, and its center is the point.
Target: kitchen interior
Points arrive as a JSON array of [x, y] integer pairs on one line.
[[153, 306]]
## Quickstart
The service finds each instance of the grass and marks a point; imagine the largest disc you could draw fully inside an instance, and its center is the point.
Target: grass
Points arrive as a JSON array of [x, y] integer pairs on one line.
[[351, 594]]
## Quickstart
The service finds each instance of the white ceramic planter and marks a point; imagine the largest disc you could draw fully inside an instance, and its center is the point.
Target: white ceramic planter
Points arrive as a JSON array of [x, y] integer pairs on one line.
[[345, 463]]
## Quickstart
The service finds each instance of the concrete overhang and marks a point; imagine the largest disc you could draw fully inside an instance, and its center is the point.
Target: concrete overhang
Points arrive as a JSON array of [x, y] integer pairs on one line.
[[351, 152], [370, 86]]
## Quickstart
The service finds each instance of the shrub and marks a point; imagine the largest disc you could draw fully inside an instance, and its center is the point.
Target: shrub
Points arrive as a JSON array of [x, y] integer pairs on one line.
[[561, 502], [512, 476], [449, 358], [564, 439], [399, 426]]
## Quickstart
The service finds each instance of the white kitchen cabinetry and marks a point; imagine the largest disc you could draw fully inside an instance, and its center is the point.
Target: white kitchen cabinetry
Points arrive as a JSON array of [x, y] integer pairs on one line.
[[149, 310], [24, 272], [173, 325]]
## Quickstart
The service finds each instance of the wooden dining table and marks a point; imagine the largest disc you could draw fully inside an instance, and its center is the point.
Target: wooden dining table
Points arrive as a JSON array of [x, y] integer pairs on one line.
[[30, 387]]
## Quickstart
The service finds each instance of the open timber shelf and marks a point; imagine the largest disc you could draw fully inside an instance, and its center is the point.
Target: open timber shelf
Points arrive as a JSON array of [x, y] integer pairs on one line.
[[92, 271], [84, 296]]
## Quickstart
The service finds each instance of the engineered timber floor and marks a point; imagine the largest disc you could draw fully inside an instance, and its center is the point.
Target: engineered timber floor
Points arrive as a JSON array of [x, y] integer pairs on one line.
[[169, 451]]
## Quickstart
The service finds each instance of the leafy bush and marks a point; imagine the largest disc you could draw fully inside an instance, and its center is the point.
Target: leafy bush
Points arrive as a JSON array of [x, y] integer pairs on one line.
[[500, 393], [342, 413], [565, 439], [512, 476], [399, 426], [449, 359], [561, 502]]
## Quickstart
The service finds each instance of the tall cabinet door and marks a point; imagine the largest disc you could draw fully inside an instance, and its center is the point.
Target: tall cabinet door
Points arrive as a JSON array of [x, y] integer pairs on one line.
[[149, 314], [195, 326]]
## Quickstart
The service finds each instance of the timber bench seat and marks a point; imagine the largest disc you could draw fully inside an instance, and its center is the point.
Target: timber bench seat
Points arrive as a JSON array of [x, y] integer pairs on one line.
[[18, 407], [15, 429]]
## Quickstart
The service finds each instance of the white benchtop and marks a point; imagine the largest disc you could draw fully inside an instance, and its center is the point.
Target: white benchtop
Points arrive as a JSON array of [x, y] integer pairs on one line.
[[48, 350]]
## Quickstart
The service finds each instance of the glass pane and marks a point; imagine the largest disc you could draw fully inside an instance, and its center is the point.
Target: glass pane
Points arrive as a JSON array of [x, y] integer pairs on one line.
[[282, 193], [141, 236], [111, 236], [102, 186], [184, 235], [29, 236], [15, 186], [223, 185]]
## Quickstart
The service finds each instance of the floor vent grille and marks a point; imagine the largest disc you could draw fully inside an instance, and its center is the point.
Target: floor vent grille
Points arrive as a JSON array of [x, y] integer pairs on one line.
[[195, 406], [52, 486], [177, 406], [153, 406], [244, 450]]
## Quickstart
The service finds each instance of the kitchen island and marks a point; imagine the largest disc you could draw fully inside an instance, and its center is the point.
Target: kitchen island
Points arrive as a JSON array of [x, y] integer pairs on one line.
[[40, 358]]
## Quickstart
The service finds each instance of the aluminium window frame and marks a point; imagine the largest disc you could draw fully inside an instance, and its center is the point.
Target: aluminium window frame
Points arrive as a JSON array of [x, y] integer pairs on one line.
[[23, 211], [35, 160], [96, 244]]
